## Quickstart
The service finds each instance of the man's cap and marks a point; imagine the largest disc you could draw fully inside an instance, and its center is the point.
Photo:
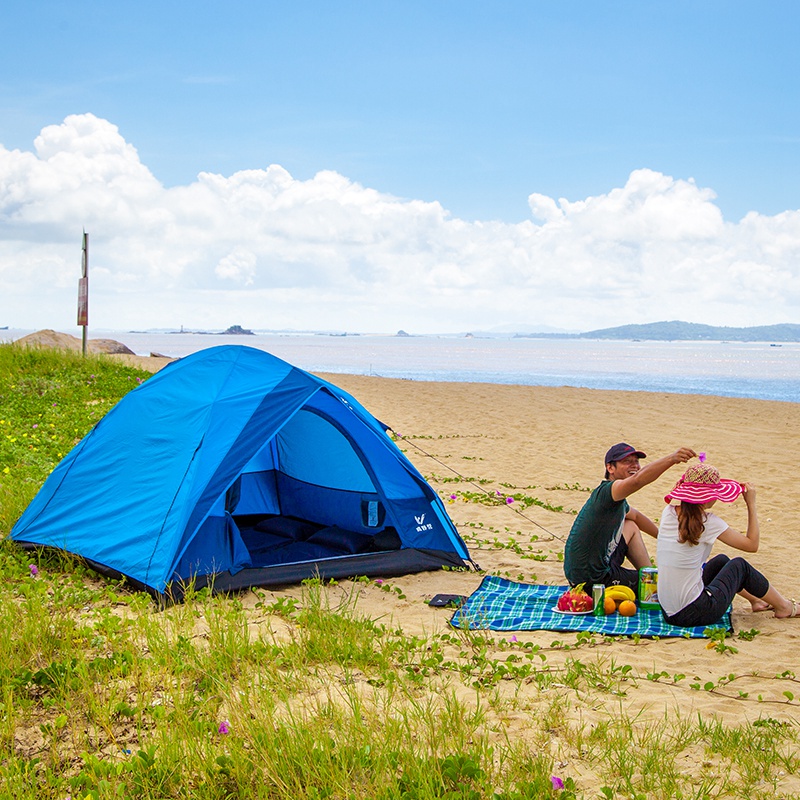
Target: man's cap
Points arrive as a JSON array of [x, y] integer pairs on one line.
[[622, 450]]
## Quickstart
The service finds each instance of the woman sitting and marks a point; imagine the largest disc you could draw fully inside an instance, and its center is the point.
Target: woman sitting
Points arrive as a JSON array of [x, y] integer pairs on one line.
[[691, 590]]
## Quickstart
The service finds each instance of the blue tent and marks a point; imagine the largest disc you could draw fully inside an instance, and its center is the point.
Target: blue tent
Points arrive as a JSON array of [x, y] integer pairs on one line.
[[232, 468]]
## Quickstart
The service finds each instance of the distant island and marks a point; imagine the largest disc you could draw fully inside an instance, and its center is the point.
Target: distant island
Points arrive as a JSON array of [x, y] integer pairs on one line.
[[676, 331], [238, 330], [234, 330], [672, 331]]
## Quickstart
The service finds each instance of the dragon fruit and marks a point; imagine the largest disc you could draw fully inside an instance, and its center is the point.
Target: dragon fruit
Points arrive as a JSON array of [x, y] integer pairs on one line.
[[575, 599]]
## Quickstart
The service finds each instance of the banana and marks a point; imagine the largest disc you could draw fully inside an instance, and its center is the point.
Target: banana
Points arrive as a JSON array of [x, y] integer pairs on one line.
[[618, 593]]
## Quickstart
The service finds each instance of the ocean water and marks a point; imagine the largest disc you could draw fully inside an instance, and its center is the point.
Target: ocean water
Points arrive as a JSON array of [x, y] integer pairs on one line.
[[729, 369]]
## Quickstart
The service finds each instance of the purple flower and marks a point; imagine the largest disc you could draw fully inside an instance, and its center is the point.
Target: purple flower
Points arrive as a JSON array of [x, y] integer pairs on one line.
[[34, 570], [702, 457], [378, 581], [224, 728], [35, 424], [453, 496], [509, 500], [513, 638], [557, 782]]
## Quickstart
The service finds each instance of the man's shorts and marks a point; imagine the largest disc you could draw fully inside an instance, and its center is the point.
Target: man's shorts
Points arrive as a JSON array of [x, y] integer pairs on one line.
[[617, 574]]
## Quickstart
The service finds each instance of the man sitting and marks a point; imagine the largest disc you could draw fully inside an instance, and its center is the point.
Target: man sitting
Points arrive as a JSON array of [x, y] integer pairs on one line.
[[607, 529]]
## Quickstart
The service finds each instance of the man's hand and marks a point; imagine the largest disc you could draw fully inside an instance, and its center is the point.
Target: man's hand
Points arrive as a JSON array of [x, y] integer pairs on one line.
[[682, 455]]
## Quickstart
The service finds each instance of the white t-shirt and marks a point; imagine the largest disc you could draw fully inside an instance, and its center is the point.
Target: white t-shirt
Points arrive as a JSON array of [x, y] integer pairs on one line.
[[680, 564]]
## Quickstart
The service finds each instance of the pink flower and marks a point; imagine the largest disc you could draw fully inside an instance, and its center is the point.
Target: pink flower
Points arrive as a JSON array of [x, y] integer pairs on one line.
[[702, 457], [513, 638], [34, 570], [557, 782], [224, 728]]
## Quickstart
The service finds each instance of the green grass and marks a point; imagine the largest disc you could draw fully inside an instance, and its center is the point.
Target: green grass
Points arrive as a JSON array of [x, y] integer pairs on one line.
[[302, 695]]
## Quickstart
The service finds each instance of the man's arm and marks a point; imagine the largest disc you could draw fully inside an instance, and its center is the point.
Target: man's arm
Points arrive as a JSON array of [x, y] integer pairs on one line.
[[625, 487], [644, 523]]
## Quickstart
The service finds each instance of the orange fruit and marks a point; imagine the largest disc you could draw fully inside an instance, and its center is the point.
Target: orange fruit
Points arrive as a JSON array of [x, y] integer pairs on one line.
[[609, 606], [627, 608]]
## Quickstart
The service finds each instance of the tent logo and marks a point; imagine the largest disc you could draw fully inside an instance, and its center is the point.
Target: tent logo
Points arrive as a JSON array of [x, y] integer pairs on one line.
[[421, 525]]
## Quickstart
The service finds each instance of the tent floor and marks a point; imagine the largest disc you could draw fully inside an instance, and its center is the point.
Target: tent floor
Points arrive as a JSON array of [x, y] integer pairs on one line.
[[276, 540]]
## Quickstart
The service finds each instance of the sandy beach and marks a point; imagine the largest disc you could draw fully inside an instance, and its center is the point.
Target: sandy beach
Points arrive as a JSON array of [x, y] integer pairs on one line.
[[555, 438], [550, 442]]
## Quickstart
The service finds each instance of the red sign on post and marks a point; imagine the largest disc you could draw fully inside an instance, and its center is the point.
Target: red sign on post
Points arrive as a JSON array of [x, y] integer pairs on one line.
[[83, 301]]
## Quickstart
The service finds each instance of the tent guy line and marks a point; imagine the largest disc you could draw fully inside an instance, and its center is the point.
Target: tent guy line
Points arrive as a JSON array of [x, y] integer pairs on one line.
[[472, 483]]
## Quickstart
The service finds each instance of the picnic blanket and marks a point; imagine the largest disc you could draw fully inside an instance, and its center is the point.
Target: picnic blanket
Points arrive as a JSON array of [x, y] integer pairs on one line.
[[499, 604]]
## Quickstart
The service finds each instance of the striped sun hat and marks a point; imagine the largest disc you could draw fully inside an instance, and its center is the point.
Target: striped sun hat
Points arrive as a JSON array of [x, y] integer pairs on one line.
[[701, 484]]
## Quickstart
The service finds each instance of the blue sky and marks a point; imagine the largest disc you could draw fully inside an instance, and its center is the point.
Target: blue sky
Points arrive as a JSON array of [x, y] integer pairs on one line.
[[471, 106]]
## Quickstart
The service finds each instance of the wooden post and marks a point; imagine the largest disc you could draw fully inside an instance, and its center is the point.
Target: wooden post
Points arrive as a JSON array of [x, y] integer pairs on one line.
[[83, 291]]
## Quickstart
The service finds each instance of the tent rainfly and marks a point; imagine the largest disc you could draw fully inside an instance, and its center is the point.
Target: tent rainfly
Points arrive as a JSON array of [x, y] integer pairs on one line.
[[231, 468]]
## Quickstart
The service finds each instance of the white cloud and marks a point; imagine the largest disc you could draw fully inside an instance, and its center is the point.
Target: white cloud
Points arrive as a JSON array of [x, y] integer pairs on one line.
[[239, 266], [264, 250]]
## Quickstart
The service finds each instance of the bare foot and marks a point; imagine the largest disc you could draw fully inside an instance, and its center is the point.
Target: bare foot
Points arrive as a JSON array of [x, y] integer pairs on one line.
[[791, 609], [759, 605]]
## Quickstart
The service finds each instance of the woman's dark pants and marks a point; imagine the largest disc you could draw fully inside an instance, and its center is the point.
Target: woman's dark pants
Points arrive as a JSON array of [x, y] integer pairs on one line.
[[723, 578]]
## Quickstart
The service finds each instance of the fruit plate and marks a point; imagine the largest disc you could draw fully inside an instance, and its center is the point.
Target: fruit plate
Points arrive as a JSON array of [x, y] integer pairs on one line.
[[557, 610]]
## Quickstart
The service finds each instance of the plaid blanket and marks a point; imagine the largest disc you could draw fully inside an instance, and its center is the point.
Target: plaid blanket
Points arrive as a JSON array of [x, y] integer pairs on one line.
[[502, 605]]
